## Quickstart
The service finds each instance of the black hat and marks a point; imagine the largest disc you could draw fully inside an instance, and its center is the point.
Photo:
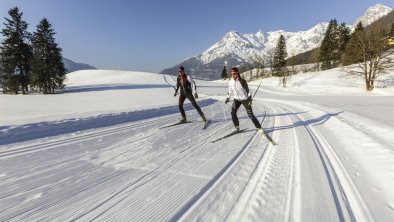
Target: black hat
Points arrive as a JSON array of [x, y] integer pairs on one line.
[[181, 68], [235, 69]]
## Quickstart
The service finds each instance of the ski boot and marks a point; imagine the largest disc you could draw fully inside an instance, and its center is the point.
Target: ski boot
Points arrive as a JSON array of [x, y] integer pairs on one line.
[[183, 120], [236, 130]]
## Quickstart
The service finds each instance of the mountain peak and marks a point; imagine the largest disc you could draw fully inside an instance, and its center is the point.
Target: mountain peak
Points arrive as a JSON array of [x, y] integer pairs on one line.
[[379, 6], [231, 34], [372, 14]]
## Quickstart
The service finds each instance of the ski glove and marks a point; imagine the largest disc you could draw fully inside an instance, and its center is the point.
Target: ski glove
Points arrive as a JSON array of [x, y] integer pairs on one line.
[[249, 101], [227, 100], [195, 95], [175, 93]]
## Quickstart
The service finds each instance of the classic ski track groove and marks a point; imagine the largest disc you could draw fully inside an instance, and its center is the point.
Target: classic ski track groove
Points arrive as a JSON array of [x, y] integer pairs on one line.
[[160, 170], [345, 194], [247, 157], [99, 182], [86, 137], [19, 150], [79, 138], [275, 172]]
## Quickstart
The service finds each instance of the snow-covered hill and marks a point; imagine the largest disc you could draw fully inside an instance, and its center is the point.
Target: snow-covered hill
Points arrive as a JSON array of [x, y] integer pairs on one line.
[[236, 48]]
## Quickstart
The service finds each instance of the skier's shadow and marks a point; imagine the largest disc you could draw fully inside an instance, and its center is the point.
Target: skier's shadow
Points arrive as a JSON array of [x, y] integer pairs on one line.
[[243, 116], [315, 122]]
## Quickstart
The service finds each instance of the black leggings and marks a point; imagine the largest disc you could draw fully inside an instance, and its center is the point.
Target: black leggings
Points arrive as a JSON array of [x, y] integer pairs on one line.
[[245, 103], [190, 97]]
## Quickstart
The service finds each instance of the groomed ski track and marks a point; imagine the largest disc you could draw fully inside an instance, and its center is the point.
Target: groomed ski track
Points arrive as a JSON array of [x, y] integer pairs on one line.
[[171, 174]]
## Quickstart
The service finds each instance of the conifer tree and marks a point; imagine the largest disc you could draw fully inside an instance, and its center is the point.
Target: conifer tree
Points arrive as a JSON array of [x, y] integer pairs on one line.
[[280, 55], [344, 36], [327, 48], [48, 70], [349, 57], [15, 54], [224, 73], [359, 27]]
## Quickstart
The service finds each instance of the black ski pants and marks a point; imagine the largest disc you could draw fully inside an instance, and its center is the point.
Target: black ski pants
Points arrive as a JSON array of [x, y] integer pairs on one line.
[[245, 103], [190, 97]]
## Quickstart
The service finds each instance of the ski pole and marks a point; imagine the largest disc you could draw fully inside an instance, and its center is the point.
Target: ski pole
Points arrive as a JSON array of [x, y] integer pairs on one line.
[[256, 90]]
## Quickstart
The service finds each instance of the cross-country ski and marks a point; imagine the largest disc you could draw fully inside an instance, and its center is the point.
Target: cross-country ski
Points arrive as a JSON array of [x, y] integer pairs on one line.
[[174, 124], [269, 138], [206, 123], [232, 133]]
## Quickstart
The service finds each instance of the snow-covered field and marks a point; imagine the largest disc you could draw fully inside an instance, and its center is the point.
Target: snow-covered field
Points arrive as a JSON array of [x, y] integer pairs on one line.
[[97, 153]]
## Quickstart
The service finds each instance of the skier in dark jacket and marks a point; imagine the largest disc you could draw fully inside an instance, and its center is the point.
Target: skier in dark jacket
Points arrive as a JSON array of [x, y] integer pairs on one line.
[[184, 83], [239, 89]]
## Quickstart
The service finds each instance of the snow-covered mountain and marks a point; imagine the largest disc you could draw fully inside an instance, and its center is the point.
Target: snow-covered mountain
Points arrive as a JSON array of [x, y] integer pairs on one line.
[[236, 48], [372, 14]]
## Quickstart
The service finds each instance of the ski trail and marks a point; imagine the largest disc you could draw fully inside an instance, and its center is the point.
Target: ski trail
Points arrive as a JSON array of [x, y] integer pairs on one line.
[[350, 206], [270, 192], [216, 199]]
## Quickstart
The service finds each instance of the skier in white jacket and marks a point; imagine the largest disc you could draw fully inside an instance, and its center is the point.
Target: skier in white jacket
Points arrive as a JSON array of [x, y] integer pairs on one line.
[[239, 89]]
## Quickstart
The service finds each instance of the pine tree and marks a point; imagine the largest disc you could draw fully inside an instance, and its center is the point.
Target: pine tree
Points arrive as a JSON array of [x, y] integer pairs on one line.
[[359, 27], [280, 55], [349, 57], [224, 73], [48, 70], [344, 36], [327, 48], [15, 54]]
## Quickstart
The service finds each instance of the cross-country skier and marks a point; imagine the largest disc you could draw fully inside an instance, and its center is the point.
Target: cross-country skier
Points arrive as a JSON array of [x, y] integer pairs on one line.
[[239, 89], [184, 83]]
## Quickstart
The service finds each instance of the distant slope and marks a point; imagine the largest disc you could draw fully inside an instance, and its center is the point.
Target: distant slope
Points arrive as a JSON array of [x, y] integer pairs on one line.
[[72, 66]]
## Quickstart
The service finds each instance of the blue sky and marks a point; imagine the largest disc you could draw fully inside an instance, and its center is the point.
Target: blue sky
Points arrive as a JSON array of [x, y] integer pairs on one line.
[[150, 35]]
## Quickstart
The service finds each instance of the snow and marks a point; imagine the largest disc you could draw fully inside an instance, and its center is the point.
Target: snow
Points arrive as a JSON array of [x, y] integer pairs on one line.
[[96, 151]]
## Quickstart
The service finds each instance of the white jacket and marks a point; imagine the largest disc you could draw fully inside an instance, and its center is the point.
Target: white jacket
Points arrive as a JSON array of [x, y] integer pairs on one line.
[[236, 90]]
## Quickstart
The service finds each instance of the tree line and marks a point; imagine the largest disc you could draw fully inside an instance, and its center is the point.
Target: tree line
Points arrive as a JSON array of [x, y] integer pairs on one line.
[[30, 61], [366, 49]]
